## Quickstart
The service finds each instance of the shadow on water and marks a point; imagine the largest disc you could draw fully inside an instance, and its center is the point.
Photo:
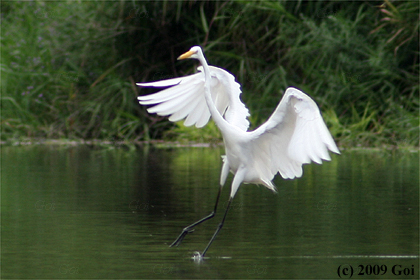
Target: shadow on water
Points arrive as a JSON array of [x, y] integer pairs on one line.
[[83, 212]]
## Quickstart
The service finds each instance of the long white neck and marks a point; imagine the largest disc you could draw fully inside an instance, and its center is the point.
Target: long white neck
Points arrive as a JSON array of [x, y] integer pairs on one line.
[[215, 114]]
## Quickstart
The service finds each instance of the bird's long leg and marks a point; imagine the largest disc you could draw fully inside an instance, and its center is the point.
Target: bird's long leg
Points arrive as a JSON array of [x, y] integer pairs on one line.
[[219, 227], [237, 180], [190, 229]]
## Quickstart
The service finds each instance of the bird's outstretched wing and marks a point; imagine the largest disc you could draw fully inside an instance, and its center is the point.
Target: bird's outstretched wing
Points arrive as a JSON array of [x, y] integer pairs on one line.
[[184, 99], [294, 134]]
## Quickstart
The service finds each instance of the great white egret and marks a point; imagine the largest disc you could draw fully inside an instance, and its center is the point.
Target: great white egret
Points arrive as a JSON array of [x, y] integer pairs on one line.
[[295, 133]]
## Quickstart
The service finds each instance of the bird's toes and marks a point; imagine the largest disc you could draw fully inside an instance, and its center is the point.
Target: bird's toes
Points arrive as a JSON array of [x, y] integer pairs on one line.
[[197, 257]]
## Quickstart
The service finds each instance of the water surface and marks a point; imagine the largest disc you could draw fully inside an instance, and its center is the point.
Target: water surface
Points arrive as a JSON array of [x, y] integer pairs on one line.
[[95, 212]]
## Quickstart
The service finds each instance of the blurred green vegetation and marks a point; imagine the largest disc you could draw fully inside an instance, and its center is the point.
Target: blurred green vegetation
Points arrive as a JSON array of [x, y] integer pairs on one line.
[[68, 68]]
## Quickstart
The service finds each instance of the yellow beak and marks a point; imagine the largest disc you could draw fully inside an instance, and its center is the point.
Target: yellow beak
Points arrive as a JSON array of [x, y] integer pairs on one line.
[[188, 54]]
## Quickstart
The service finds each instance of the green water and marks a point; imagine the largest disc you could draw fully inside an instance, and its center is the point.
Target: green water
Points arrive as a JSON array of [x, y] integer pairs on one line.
[[82, 212]]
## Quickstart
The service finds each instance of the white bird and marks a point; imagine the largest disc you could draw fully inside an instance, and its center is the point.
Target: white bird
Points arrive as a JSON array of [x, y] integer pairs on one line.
[[294, 135]]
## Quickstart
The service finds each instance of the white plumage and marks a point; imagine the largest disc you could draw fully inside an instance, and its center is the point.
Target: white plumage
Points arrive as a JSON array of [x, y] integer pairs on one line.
[[295, 133], [185, 98]]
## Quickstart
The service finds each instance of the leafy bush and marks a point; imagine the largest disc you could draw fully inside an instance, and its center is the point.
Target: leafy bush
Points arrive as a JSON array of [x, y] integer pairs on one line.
[[69, 68]]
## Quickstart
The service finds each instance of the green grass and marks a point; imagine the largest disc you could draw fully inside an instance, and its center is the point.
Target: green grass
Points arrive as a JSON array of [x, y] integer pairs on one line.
[[68, 69]]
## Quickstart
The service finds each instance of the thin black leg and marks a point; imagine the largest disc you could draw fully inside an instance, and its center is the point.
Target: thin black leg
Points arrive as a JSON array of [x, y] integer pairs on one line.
[[190, 229], [219, 227]]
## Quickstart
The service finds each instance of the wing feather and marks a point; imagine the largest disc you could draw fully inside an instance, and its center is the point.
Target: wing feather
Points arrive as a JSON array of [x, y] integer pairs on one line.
[[169, 93], [295, 134], [183, 112], [236, 112], [168, 82], [184, 99], [195, 115], [181, 95]]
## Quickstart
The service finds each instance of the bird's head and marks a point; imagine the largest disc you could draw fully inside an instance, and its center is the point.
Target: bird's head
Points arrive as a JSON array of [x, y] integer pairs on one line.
[[194, 52]]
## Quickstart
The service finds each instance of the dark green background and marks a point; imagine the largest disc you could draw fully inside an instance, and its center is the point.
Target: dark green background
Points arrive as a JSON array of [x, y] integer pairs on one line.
[[69, 68]]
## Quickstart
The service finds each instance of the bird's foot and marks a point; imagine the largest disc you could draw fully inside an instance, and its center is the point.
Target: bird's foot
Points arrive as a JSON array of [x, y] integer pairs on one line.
[[197, 257], [181, 237]]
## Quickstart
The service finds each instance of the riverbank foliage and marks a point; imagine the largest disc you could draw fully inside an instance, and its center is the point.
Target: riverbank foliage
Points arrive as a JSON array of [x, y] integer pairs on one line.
[[68, 68]]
